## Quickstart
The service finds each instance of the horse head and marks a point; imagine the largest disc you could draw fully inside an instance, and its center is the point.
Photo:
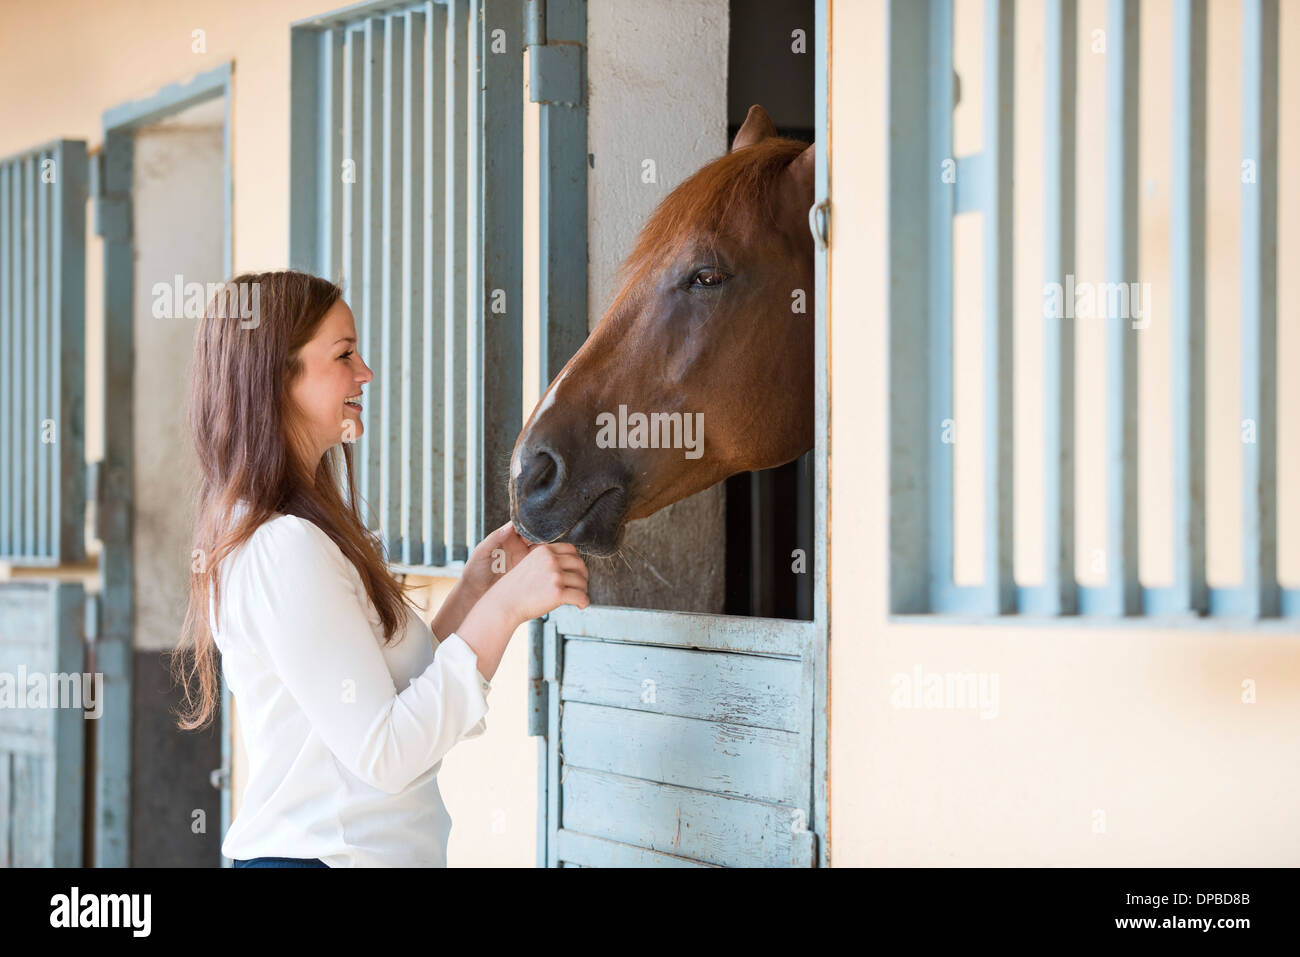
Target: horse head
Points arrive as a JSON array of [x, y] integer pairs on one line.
[[701, 367]]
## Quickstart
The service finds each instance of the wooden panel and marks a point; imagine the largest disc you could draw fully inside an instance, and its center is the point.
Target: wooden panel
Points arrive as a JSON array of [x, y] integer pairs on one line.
[[730, 759], [42, 729], [680, 821], [765, 636], [596, 852], [747, 690]]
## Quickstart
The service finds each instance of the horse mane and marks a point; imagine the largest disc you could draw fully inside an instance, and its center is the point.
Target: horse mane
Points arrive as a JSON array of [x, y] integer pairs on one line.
[[742, 179]]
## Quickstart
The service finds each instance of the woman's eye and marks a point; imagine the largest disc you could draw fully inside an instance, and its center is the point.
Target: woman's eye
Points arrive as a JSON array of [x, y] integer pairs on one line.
[[346, 355], [709, 277]]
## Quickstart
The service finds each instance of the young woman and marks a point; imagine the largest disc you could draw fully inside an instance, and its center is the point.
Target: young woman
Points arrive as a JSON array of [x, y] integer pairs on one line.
[[347, 700]]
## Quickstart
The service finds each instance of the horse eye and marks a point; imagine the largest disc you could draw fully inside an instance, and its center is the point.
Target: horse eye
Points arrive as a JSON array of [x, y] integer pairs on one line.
[[709, 277]]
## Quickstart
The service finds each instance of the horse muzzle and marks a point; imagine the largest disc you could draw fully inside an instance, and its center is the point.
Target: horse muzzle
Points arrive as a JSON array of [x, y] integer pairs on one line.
[[547, 503]]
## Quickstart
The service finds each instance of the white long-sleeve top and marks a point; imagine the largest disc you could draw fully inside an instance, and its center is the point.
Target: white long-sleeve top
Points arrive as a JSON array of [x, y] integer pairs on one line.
[[344, 735]]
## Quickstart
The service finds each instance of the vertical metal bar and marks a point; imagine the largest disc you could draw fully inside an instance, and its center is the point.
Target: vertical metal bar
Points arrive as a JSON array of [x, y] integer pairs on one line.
[[22, 374], [67, 350], [413, 121], [1121, 268], [1059, 98], [999, 474], [7, 360], [304, 135], [562, 138], [819, 465], [32, 380], [454, 356], [372, 276], [45, 545], [474, 286], [390, 374], [353, 105], [1259, 132], [433, 401], [1187, 284], [501, 249], [914, 466], [330, 242], [941, 206]]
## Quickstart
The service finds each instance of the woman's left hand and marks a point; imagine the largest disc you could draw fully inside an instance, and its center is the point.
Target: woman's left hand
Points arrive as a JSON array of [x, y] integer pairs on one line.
[[493, 557]]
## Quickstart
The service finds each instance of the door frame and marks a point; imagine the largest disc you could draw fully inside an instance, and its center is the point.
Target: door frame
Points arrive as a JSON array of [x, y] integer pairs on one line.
[[112, 178]]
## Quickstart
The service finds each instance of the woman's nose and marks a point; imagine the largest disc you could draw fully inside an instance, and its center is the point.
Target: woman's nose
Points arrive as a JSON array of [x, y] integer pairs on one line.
[[367, 375]]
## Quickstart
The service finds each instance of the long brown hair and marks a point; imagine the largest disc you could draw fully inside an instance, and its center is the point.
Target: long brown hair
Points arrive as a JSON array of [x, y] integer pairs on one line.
[[245, 430]]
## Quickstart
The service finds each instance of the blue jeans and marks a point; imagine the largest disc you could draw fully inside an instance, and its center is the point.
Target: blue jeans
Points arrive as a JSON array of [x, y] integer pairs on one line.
[[282, 862]]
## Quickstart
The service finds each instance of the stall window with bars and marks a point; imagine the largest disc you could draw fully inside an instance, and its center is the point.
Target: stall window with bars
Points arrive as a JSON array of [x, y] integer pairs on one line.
[[931, 186], [406, 188], [42, 368]]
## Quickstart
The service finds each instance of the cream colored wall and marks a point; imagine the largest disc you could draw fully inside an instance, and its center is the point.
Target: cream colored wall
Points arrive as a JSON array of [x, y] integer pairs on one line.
[[1143, 724]]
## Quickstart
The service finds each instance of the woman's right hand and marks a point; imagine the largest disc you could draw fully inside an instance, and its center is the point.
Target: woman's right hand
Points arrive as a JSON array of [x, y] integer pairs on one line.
[[546, 578]]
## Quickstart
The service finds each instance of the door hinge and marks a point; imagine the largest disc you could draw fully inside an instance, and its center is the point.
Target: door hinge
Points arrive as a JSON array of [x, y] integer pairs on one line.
[[538, 690], [554, 66], [819, 223]]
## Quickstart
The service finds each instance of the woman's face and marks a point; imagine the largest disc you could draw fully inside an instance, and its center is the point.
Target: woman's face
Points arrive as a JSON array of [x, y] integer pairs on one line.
[[327, 393]]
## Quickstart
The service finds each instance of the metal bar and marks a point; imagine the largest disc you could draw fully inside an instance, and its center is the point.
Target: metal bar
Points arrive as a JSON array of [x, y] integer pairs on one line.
[[432, 509], [501, 251], [999, 317], [413, 292], [329, 243], [68, 338], [1059, 197], [390, 374], [43, 449], [304, 132], [454, 452], [32, 418], [20, 343], [1259, 132], [916, 455], [1121, 268], [1187, 287], [372, 276], [562, 139], [7, 360], [473, 394], [941, 205], [820, 462]]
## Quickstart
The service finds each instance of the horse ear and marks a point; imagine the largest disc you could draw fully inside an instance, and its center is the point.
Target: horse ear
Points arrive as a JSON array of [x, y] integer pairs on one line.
[[803, 170], [757, 126]]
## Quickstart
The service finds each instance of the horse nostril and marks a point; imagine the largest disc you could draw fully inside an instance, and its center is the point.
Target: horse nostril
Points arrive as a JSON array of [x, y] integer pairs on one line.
[[541, 475]]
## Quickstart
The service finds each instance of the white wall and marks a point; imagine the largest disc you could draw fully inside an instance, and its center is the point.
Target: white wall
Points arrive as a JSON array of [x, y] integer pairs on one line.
[[179, 230]]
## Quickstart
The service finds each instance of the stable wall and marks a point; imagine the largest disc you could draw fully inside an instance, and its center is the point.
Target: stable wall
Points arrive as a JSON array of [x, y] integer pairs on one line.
[[1139, 721]]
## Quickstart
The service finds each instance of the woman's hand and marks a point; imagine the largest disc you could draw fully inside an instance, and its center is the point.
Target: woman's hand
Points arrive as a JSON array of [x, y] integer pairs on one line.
[[492, 558], [546, 578]]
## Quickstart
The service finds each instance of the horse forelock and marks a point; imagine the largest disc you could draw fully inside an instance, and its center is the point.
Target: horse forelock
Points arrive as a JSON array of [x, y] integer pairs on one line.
[[738, 183]]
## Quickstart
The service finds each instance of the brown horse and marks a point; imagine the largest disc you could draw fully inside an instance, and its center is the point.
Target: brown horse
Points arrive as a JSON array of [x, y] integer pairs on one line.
[[701, 368]]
